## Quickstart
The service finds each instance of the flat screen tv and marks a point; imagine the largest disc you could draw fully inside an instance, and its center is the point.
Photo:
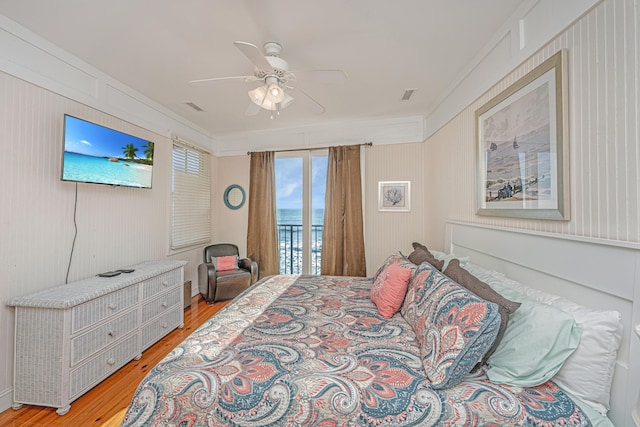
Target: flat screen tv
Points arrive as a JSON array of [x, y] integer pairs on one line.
[[100, 155]]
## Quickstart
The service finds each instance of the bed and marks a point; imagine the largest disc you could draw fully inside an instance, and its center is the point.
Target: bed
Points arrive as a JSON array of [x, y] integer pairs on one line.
[[309, 350]]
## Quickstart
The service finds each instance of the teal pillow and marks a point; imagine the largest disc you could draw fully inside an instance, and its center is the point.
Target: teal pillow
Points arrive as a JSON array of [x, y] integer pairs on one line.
[[537, 341]]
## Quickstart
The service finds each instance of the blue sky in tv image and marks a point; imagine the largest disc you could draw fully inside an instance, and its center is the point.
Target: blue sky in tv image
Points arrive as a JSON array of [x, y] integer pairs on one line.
[[91, 139]]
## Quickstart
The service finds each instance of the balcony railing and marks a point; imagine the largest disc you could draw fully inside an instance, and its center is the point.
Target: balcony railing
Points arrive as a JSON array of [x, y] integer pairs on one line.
[[291, 242]]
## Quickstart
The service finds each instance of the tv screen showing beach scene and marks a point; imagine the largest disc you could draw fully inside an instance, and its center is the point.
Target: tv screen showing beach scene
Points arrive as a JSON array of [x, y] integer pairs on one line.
[[100, 155]]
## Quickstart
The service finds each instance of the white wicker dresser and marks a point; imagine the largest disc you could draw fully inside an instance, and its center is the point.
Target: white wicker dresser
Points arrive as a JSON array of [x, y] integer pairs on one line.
[[70, 337]]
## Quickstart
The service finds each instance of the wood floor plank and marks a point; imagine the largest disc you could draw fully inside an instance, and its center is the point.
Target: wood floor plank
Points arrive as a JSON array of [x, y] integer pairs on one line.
[[102, 405]]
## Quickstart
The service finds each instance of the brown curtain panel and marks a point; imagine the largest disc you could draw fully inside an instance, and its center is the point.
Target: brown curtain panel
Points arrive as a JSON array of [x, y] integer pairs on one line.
[[262, 232], [343, 235]]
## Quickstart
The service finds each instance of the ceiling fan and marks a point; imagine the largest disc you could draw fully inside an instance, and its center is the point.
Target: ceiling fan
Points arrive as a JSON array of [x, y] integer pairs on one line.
[[278, 87]]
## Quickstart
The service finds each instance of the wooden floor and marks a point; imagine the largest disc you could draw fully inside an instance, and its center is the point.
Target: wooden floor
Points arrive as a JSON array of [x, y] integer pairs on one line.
[[104, 405]]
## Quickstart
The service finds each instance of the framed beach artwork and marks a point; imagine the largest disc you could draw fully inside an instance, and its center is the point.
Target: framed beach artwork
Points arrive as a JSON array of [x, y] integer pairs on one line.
[[394, 196], [522, 151]]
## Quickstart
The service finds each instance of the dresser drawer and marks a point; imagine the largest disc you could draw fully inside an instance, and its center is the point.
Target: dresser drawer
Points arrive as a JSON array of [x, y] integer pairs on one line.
[[161, 283], [103, 365], [96, 339], [160, 305], [103, 307], [161, 326], [70, 337]]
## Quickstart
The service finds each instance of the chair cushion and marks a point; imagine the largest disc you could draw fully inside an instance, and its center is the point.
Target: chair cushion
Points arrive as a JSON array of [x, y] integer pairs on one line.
[[220, 249], [223, 263], [230, 283], [224, 275]]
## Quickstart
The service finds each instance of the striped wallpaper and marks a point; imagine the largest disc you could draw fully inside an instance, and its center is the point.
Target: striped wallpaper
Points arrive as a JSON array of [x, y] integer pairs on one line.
[[116, 226], [603, 62]]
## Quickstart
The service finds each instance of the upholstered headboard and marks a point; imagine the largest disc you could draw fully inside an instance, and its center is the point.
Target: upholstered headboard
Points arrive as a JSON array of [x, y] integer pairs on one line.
[[595, 273]]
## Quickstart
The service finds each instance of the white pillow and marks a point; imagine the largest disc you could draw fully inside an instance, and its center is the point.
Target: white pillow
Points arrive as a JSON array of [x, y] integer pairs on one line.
[[441, 256], [588, 372]]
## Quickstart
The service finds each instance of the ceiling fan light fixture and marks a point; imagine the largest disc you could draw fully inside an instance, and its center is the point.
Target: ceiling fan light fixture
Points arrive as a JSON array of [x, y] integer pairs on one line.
[[275, 79], [275, 94], [277, 106], [268, 105], [258, 95], [261, 97]]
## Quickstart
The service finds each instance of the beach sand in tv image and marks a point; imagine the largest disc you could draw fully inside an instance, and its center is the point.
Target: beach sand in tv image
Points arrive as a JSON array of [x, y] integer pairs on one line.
[[96, 154]]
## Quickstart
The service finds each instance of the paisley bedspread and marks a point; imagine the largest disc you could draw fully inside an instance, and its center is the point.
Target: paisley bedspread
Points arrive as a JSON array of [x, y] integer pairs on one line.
[[313, 351]]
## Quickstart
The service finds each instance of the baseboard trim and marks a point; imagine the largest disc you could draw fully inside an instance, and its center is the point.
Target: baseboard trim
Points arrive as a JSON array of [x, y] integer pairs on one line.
[[6, 400]]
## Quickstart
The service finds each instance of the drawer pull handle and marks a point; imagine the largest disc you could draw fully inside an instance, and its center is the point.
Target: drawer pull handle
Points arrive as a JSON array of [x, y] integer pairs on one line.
[[111, 361], [165, 283], [112, 306], [164, 326], [165, 304], [111, 334]]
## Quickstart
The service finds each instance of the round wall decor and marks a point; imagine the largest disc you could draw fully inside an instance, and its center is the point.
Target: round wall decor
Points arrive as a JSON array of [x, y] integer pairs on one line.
[[234, 196]]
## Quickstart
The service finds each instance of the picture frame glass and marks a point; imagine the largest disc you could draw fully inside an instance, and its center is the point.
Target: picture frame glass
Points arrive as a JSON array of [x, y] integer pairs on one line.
[[394, 196], [522, 148]]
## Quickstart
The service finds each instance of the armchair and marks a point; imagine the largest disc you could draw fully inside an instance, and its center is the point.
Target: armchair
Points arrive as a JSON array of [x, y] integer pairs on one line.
[[226, 281]]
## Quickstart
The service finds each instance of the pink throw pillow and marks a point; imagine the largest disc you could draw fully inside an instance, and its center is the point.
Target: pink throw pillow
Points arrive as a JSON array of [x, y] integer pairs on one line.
[[223, 263], [389, 289]]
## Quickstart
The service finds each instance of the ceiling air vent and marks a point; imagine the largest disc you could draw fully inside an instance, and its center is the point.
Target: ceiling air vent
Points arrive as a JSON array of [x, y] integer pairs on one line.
[[194, 106], [408, 93]]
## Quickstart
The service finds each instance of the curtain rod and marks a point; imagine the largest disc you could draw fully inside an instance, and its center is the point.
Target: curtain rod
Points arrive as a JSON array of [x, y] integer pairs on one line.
[[177, 140], [367, 144]]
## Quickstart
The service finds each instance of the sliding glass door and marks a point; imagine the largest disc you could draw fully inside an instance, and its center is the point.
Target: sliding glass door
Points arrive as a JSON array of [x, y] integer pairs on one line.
[[301, 178]]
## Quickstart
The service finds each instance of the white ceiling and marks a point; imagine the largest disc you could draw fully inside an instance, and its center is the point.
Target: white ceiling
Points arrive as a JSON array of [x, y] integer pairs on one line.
[[385, 47]]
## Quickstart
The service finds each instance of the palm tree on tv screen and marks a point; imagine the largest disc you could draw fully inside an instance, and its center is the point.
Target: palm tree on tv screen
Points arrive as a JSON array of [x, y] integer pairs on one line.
[[129, 151], [148, 150]]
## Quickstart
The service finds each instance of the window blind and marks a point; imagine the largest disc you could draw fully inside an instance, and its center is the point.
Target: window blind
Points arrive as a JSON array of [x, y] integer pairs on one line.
[[190, 196]]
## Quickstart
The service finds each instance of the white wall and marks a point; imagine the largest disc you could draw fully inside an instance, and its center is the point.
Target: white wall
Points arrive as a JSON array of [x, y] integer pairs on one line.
[[117, 226], [603, 53], [388, 232], [385, 232], [230, 226], [442, 171], [34, 59], [604, 107]]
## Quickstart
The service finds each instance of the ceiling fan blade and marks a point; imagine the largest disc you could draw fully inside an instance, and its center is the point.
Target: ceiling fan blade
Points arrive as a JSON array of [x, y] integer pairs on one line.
[[254, 54], [324, 76], [201, 82], [313, 105]]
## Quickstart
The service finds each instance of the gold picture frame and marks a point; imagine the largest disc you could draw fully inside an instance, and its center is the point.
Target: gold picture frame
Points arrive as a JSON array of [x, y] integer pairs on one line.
[[523, 147]]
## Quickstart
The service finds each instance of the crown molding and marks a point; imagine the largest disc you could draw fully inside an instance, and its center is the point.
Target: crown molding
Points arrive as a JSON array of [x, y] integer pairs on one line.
[[400, 130]]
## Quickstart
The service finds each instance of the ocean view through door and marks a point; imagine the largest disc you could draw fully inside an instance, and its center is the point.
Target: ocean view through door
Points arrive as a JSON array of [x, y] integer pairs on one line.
[[301, 178]]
